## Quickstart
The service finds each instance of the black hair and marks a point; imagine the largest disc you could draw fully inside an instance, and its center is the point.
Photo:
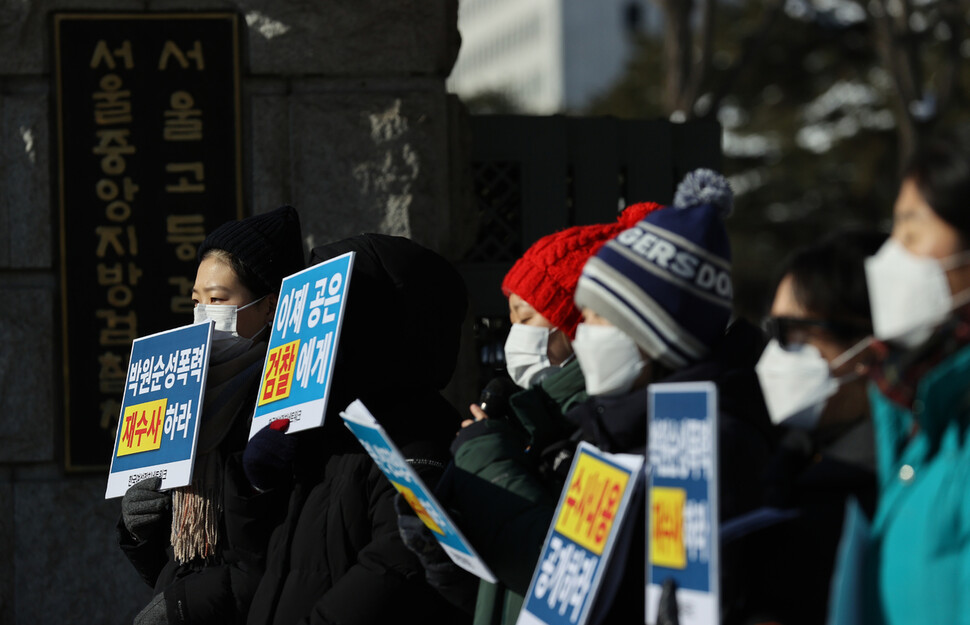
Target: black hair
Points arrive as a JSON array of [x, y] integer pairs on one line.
[[246, 275], [940, 167], [829, 280]]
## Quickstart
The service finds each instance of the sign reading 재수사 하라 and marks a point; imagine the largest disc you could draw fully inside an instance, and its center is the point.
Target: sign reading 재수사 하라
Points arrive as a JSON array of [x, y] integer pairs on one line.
[[159, 421]]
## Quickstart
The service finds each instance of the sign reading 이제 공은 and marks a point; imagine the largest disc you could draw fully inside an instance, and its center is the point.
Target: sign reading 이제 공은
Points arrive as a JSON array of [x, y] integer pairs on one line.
[[149, 162]]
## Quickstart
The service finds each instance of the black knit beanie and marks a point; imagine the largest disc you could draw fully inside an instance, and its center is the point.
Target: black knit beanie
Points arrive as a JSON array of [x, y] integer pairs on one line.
[[269, 245]]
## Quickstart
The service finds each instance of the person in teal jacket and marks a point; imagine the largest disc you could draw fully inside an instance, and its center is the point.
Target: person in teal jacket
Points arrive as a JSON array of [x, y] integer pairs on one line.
[[911, 562]]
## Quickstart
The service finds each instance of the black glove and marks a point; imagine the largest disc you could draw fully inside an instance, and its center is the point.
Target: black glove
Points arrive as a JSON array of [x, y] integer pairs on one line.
[[268, 458], [146, 512], [415, 534], [438, 567]]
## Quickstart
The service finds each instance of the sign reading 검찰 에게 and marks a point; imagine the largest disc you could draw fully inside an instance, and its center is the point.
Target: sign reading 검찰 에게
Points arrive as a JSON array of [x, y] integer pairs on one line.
[[395, 467], [296, 378], [586, 526], [682, 535], [159, 421]]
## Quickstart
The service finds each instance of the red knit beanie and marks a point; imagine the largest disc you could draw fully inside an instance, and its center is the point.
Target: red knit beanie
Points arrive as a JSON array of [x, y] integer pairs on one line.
[[547, 273]]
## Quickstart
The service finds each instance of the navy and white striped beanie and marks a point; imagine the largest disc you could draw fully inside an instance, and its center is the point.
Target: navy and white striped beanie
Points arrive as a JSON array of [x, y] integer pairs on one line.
[[666, 282]]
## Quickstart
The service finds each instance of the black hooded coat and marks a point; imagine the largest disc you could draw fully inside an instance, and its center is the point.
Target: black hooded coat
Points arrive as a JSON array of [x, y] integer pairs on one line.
[[338, 556]]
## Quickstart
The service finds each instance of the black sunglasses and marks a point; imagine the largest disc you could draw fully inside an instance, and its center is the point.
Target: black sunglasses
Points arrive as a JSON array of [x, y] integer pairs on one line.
[[780, 328]]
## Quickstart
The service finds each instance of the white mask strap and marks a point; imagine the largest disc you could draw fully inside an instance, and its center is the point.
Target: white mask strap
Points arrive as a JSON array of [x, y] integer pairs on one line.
[[850, 353]]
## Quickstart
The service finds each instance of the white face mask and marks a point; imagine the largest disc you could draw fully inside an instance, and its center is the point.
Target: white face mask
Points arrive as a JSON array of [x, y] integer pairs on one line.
[[796, 381], [226, 342], [609, 359], [909, 294], [527, 353]]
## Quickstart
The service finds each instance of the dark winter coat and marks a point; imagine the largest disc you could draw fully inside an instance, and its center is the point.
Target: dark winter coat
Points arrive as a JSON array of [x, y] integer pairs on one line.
[[338, 556], [496, 468], [218, 590], [786, 566]]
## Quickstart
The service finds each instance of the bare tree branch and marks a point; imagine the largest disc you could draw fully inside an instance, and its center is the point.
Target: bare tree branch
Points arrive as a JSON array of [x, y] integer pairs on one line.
[[750, 45]]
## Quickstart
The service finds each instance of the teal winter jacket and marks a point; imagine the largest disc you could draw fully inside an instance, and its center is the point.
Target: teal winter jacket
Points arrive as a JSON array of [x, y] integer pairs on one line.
[[911, 563]]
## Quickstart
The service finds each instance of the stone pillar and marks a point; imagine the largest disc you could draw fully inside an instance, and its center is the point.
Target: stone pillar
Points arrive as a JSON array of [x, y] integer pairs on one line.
[[345, 116]]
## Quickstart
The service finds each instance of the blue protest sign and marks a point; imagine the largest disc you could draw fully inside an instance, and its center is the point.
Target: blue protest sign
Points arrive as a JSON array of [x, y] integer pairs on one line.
[[300, 357], [682, 538], [159, 421], [395, 467], [585, 528]]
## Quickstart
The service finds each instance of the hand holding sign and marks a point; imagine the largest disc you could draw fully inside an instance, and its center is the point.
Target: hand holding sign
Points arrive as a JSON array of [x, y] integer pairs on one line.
[[268, 458], [145, 511]]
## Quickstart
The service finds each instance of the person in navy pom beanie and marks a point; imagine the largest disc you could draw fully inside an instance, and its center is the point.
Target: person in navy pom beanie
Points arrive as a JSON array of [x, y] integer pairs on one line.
[[657, 307], [666, 282]]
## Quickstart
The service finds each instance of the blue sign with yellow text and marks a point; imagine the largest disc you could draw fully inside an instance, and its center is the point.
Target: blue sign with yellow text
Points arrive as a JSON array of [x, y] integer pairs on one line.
[[159, 420], [682, 536], [407, 482], [586, 526]]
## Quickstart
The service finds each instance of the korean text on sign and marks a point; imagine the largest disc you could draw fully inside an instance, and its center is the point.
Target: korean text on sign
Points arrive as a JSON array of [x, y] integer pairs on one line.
[[160, 408], [303, 345], [586, 526], [403, 477], [682, 540]]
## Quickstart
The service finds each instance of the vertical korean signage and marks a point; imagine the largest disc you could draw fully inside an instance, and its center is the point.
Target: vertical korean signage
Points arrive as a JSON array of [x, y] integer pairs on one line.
[[586, 526], [296, 378], [406, 481], [682, 534], [159, 423], [148, 137]]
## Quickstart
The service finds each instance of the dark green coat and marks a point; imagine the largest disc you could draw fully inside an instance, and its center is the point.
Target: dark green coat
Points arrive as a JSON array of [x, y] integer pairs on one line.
[[505, 503]]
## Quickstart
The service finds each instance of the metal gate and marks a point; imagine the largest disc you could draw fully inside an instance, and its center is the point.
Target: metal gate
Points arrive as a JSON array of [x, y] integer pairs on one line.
[[536, 175]]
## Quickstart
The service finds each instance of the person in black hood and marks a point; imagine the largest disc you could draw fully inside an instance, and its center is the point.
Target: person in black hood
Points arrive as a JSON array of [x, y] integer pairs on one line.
[[338, 556]]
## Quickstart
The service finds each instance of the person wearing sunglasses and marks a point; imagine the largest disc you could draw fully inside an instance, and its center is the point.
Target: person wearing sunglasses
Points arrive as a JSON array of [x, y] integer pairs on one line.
[[812, 377], [910, 561]]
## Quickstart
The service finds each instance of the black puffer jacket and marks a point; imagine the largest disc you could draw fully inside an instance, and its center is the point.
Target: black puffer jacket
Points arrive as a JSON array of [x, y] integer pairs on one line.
[[338, 557]]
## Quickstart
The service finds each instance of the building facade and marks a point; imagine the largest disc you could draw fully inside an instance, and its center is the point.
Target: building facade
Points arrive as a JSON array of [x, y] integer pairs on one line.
[[546, 56]]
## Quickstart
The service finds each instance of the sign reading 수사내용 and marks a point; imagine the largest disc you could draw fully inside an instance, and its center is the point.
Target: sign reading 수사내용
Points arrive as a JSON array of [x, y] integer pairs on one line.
[[159, 422], [300, 357], [682, 538], [407, 482], [585, 529]]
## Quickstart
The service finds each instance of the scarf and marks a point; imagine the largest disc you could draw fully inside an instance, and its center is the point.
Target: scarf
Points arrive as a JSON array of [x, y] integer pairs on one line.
[[197, 508], [897, 372]]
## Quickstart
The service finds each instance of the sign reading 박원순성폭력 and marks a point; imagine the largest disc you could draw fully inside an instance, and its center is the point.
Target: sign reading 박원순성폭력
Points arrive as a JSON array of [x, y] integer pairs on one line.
[[159, 423]]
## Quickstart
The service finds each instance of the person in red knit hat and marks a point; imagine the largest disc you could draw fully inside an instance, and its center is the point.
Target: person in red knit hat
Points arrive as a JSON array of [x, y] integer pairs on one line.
[[540, 288], [492, 448]]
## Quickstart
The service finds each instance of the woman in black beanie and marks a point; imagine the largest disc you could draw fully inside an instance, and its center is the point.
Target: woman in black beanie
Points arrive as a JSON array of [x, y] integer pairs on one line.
[[201, 547]]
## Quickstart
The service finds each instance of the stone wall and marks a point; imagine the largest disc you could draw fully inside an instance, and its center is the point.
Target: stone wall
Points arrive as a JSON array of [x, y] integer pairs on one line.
[[345, 116]]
